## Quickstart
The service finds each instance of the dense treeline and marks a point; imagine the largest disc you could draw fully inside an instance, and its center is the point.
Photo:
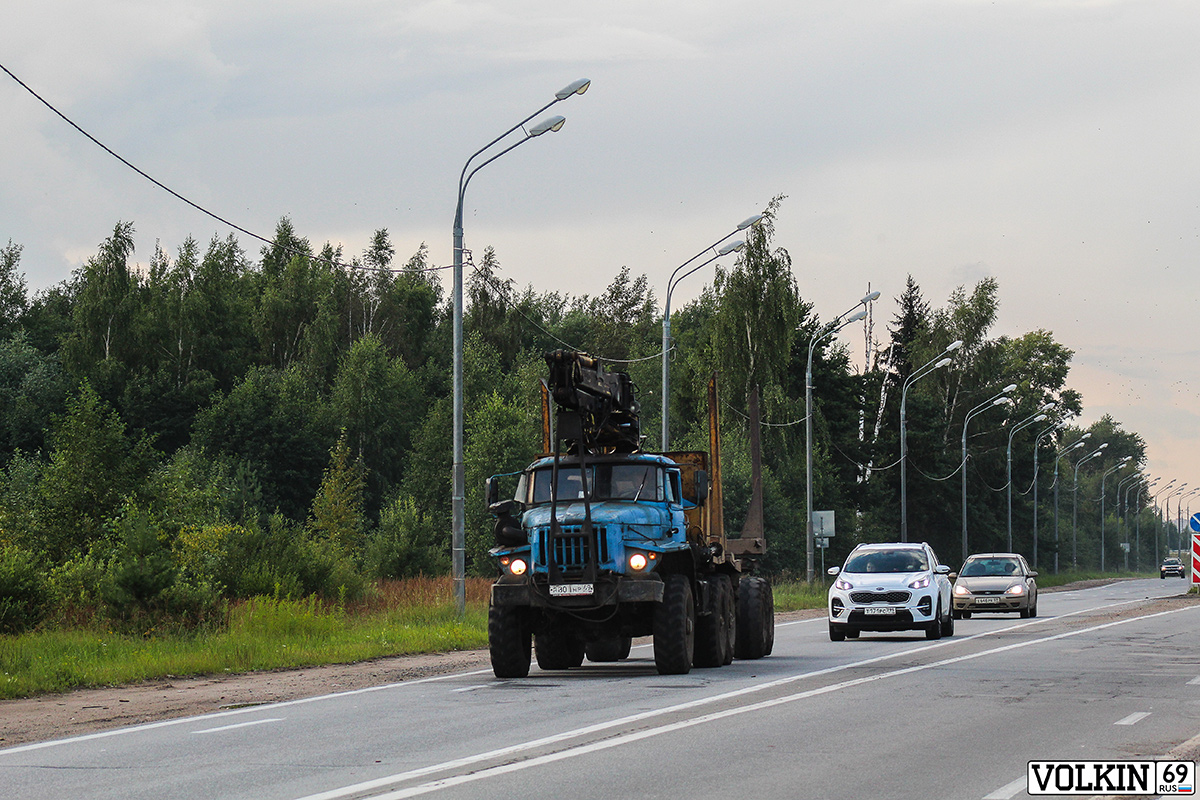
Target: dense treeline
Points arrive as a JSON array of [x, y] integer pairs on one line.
[[210, 426]]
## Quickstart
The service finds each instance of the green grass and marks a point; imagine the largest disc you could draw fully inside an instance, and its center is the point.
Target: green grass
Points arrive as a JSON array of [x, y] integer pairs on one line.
[[259, 634]]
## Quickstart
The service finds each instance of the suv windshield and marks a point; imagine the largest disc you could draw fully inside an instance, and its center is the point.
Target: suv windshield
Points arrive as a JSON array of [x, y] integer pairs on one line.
[[907, 560], [640, 481], [990, 567]]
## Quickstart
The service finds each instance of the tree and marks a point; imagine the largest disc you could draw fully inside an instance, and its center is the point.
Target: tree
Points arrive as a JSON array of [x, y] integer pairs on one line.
[[337, 509], [14, 301]]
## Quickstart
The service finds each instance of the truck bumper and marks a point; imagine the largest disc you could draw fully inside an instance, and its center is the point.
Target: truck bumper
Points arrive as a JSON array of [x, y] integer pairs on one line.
[[608, 591]]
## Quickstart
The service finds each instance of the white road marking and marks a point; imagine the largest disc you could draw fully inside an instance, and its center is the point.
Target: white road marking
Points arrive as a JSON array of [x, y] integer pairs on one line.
[[1194, 681], [1133, 719], [472, 688], [621, 739], [239, 725], [232, 712], [1008, 790]]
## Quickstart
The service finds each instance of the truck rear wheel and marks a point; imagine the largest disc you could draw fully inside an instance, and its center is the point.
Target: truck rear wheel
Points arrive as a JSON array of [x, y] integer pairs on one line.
[[675, 627], [755, 618], [714, 630], [509, 642], [558, 650], [611, 648]]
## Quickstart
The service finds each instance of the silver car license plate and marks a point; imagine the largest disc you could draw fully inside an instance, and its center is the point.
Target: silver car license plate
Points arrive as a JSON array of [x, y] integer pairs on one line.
[[571, 589], [879, 611], [985, 600]]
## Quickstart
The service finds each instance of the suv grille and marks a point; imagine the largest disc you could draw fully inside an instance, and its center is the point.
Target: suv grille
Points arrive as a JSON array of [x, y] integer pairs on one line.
[[880, 597]]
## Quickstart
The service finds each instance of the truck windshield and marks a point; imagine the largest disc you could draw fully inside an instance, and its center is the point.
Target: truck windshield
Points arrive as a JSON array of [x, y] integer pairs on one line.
[[606, 482]]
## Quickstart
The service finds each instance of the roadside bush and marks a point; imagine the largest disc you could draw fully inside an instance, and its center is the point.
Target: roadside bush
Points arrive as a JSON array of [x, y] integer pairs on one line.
[[74, 585], [406, 544], [24, 595]]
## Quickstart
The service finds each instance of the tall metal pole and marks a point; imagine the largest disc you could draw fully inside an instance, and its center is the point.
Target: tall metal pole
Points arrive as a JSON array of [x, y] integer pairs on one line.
[[1036, 443], [999, 398], [830, 329], [1058, 457], [1158, 517], [1103, 480], [458, 488], [925, 369], [1025, 423], [1075, 506], [672, 282]]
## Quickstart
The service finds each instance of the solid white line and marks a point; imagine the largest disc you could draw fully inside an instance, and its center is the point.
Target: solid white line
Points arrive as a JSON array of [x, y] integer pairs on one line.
[[1133, 719], [472, 688], [1008, 790], [239, 725], [231, 712], [467, 761]]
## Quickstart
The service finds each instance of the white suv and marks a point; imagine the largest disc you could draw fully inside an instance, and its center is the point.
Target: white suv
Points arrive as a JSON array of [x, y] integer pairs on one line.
[[890, 587]]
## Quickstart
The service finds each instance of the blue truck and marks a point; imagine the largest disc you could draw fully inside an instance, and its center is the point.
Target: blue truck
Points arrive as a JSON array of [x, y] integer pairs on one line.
[[602, 542]]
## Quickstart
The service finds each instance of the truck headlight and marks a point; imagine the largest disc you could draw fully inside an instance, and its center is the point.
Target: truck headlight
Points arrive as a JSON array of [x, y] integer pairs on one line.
[[637, 562], [517, 566]]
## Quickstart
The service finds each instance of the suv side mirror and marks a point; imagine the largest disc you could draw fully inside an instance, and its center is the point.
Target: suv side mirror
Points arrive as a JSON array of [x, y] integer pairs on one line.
[[942, 569], [834, 571]]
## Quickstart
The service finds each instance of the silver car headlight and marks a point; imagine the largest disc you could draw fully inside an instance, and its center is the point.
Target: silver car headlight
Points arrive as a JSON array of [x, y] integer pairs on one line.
[[1017, 590], [961, 591]]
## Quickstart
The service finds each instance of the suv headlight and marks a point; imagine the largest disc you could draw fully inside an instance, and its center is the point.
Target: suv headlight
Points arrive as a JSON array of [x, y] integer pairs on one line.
[[843, 585], [920, 583]]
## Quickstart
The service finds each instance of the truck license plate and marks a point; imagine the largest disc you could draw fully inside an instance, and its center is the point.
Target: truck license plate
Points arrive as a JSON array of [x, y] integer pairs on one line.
[[879, 611], [570, 589]]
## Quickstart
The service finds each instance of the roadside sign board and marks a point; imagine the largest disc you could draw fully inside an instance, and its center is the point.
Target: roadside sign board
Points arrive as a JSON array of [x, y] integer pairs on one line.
[[1196, 559], [821, 542], [822, 522], [1195, 523]]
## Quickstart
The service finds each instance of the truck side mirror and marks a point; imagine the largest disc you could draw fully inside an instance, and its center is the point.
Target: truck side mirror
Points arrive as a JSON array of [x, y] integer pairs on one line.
[[491, 491], [701, 486]]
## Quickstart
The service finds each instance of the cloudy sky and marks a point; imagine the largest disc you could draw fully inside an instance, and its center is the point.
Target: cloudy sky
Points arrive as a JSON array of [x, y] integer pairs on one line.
[[1049, 143]]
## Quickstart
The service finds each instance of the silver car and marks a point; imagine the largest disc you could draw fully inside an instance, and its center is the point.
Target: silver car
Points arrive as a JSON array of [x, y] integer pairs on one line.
[[995, 582]]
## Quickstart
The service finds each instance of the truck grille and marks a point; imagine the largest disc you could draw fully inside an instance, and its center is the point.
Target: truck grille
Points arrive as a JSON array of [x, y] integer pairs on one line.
[[572, 548], [879, 597]]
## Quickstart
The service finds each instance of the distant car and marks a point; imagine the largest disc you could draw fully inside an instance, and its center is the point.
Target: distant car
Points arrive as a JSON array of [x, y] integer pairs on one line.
[[995, 582], [890, 587], [1171, 566]]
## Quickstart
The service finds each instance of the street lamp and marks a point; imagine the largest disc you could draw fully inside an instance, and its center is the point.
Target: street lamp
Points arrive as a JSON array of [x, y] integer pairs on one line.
[[1137, 517], [1178, 533], [458, 488], [1038, 416], [1118, 466], [1075, 505], [672, 282], [1078, 443], [941, 359], [1123, 508], [1037, 441], [1158, 516], [830, 328], [998, 399]]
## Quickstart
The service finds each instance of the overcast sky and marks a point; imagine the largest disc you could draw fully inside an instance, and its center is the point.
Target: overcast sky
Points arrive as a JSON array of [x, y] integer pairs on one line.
[[1051, 144]]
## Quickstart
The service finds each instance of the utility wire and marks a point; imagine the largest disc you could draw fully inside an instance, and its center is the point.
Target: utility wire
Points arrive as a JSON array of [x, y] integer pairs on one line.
[[197, 206]]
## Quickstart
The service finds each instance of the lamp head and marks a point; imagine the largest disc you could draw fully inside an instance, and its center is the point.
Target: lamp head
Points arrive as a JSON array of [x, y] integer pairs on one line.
[[1039, 418], [941, 363], [1048, 406], [554, 123], [856, 316], [575, 87], [870, 298], [731, 247], [957, 343], [1009, 388], [748, 221], [1087, 435], [1000, 401]]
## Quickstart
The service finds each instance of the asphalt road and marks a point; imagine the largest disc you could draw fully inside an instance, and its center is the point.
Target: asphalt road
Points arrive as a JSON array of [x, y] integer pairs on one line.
[[1100, 674]]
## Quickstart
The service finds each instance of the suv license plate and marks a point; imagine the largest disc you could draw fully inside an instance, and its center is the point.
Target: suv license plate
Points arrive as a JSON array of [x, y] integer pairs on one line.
[[879, 611], [570, 589]]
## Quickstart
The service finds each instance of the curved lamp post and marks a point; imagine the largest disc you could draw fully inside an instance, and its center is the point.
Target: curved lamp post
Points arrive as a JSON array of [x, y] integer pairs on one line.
[[1037, 441], [829, 329], [935, 363], [1038, 416], [672, 282], [1075, 505], [1179, 491], [1078, 443], [1118, 466], [458, 488], [1158, 516], [998, 399], [1137, 518], [1127, 483]]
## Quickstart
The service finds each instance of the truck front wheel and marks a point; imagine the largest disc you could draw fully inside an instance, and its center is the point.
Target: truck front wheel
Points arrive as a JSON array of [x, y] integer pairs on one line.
[[675, 627], [509, 641]]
